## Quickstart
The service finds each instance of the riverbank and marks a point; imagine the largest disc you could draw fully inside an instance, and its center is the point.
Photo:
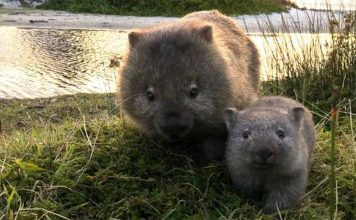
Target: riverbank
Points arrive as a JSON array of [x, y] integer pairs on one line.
[[282, 22]]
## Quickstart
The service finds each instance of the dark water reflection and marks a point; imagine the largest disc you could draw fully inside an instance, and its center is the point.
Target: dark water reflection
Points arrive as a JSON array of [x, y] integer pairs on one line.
[[48, 62]]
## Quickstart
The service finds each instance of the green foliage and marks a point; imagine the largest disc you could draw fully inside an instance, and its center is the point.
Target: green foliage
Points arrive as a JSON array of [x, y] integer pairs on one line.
[[164, 7]]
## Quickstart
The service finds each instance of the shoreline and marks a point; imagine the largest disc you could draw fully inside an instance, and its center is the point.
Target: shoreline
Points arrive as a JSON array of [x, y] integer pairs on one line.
[[35, 18]]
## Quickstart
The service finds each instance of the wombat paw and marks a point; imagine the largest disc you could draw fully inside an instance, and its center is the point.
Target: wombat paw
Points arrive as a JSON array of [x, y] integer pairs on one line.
[[268, 210], [273, 209], [214, 148]]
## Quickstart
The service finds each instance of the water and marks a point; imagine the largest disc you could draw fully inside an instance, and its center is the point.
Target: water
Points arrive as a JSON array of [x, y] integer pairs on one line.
[[48, 62]]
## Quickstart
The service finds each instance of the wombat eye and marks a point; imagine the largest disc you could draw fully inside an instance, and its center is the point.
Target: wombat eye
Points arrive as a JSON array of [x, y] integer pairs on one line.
[[280, 134], [193, 93], [246, 134], [149, 95]]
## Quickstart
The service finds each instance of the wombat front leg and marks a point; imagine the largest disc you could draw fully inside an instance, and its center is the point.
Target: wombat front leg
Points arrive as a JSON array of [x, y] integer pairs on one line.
[[250, 194], [247, 188], [284, 195], [214, 148]]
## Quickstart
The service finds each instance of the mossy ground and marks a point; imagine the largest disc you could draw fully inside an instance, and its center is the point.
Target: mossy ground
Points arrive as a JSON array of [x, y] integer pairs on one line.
[[72, 157]]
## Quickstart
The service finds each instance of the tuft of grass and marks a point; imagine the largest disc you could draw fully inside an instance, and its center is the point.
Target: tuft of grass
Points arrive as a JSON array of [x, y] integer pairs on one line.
[[310, 73], [32, 113], [167, 8]]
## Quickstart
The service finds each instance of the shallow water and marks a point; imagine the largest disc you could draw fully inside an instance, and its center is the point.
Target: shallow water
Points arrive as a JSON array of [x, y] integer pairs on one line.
[[49, 62]]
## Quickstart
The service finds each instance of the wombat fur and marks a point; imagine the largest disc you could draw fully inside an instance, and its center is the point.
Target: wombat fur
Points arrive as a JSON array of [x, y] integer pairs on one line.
[[177, 78], [269, 149]]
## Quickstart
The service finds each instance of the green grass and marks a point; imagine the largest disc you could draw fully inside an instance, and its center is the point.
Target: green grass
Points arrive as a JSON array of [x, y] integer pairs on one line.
[[166, 8], [92, 164]]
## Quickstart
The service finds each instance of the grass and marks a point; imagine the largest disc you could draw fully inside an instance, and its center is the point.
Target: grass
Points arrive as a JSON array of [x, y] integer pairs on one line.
[[73, 157], [166, 8], [92, 164], [313, 71]]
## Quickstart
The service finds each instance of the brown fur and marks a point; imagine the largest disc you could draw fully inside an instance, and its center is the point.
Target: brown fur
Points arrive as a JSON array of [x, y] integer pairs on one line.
[[205, 51]]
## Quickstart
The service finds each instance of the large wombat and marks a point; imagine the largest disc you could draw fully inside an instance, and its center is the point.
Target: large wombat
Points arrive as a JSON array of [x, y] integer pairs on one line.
[[177, 78], [269, 149]]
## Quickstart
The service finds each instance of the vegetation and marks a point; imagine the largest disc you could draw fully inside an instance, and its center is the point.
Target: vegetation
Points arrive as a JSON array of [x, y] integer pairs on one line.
[[70, 157], [314, 70], [73, 157], [167, 8]]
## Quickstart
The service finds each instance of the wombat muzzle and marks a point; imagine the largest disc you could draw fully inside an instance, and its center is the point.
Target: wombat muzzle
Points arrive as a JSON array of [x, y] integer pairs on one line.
[[264, 157], [174, 127]]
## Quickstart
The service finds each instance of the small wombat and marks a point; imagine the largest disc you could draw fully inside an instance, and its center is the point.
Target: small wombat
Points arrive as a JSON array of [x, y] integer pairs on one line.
[[269, 150], [177, 78]]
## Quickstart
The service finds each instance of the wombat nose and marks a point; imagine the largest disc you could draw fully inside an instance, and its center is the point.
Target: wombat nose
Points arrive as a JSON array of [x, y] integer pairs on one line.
[[173, 126], [174, 129], [264, 154], [172, 116], [183, 128], [172, 122]]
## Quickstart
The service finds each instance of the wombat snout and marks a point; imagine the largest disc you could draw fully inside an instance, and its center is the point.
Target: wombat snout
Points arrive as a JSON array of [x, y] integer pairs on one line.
[[264, 156], [173, 126]]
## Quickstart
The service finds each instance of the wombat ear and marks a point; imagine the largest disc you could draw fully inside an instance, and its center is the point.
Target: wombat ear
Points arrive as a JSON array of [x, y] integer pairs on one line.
[[297, 114], [207, 32], [134, 38], [230, 115]]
